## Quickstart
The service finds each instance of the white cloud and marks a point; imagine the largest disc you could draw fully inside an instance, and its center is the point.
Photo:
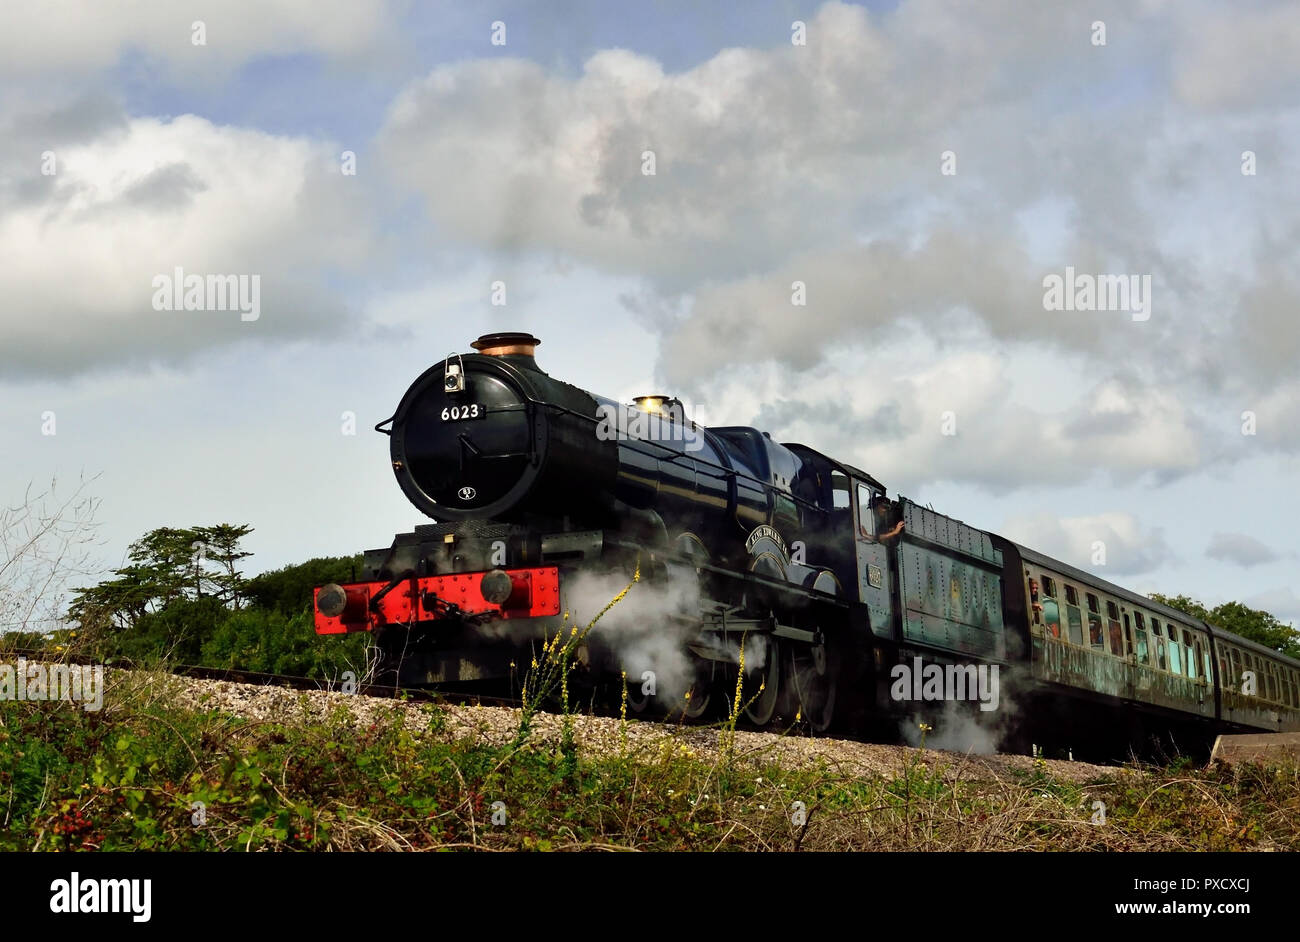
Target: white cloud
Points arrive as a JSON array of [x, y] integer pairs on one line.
[[1243, 56], [1128, 547], [71, 36], [142, 196], [759, 152], [1025, 420], [1239, 548], [821, 165], [1283, 603]]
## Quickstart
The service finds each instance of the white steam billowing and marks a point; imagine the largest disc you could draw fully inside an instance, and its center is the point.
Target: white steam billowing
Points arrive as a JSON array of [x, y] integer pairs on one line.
[[961, 727], [647, 629]]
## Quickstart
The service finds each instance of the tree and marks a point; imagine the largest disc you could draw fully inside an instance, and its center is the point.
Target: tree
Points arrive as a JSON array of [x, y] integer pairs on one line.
[[220, 545], [1251, 623], [165, 566]]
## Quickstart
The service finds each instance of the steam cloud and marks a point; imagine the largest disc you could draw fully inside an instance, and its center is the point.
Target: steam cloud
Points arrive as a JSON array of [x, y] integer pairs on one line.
[[642, 630]]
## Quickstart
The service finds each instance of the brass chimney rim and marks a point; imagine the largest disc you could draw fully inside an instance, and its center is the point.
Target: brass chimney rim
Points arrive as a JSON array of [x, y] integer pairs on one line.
[[510, 343]]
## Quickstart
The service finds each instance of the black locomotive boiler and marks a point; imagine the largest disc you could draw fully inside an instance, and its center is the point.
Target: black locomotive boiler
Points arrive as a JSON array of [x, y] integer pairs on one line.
[[842, 607]]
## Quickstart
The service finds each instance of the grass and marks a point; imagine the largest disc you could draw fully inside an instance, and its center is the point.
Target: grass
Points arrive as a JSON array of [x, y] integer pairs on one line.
[[149, 773], [152, 772]]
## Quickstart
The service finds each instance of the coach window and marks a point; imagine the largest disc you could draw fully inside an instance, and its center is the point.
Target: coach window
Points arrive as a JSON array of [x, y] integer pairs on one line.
[[1052, 617], [1112, 626], [1159, 640], [1144, 655], [1225, 675], [1209, 668], [1175, 654], [1073, 615], [1192, 663], [1272, 680], [1094, 622], [1189, 664], [1234, 674], [1051, 608], [1128, 635]]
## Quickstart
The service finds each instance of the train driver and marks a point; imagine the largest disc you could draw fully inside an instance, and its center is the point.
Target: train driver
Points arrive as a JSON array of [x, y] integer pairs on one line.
[[889, 521]]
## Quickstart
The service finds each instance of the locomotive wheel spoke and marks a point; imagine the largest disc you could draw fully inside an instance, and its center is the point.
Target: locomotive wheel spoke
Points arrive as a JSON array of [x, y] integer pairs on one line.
[[760, 704], [637, 702], [699, 704], [811, 684]]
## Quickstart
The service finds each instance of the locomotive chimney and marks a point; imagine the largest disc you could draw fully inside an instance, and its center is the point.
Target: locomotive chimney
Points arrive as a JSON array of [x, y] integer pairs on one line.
[[654, 403], [506, 345]]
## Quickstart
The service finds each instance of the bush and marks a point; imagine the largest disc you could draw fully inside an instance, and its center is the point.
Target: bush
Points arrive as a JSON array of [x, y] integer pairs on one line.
[[271, 641]]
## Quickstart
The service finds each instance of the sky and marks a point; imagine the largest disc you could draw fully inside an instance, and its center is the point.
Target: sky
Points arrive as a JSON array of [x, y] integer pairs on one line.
[[848, 236]]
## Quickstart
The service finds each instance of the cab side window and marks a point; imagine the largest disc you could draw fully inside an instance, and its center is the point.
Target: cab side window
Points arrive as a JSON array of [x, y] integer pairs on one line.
[[839, 491], [866, 516]]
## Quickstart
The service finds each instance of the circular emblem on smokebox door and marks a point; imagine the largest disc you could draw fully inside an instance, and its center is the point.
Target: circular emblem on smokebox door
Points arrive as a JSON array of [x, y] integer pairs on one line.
[[467, 493]]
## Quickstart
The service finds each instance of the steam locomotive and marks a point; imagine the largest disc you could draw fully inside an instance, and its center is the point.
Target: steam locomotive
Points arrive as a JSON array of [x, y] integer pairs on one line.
[[765, 566]]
